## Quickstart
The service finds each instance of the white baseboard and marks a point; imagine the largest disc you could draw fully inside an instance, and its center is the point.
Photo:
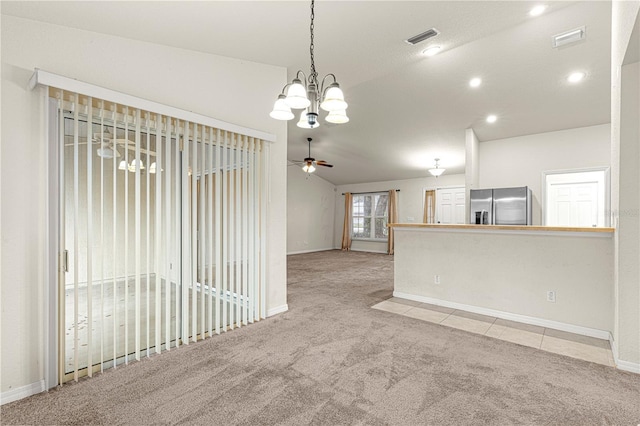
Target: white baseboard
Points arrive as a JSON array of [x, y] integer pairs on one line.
[[370, 251], [21, 392], [277, 310], [632, 367], [310, 251], [556, 325]]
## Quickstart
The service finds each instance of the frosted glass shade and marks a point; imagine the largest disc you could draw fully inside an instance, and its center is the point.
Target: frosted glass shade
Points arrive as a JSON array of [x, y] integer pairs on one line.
[[436, 172], [281, 110], [303, 123], [308, 168], [107, 152], [337, 117], [333, 99], [297, 96], [136, 165], [123, 165]]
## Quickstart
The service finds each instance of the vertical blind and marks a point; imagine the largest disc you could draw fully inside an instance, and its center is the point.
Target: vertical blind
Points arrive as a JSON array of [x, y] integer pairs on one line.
[[162, 230]]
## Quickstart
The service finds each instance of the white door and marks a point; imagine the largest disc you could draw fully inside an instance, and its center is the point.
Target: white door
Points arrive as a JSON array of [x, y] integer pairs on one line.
[[450, 205], [575, 199]]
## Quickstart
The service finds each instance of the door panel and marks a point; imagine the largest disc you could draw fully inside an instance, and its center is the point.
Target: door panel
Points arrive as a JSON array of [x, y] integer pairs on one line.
[[450, 205]]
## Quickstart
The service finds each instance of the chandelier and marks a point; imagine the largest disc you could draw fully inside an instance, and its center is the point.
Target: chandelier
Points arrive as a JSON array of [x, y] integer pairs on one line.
[[437, 171], [306, 94]]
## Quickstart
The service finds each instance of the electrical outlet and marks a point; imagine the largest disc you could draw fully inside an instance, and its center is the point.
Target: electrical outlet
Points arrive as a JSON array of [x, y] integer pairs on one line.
[[436, 279], [551, 296]]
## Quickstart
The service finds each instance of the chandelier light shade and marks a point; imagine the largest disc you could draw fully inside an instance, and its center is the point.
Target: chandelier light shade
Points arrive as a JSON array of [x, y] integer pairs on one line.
[[281, 111], [436, 171], [306, 93], [297, 95], [337, 117]]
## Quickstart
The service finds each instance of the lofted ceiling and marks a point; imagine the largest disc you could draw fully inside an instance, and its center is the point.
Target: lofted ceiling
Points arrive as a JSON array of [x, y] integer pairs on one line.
[[405, 108]]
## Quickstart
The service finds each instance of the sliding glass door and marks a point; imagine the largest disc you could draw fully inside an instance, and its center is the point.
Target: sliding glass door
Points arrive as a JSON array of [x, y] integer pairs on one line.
[[161, 233]]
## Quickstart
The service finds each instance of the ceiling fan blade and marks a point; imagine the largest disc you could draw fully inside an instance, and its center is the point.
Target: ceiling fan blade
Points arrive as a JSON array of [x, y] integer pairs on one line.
[[324, 164]]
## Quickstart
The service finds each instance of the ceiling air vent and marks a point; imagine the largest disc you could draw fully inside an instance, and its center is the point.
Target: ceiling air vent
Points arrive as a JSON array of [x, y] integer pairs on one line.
[[422, 36], [569, 37]]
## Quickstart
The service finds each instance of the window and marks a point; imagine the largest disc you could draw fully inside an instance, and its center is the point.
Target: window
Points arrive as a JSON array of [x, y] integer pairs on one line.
[[369, 221]]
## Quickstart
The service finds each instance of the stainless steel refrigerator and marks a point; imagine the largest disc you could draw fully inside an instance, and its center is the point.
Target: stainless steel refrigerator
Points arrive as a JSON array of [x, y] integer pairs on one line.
[[501, 206]]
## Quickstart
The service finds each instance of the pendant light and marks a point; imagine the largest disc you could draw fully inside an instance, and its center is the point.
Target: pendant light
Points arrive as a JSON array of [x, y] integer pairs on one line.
[[305, 93], [436, 171]]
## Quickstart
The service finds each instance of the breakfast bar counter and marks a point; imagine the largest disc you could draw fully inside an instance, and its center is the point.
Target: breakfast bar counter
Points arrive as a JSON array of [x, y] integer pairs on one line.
[[555, 277]]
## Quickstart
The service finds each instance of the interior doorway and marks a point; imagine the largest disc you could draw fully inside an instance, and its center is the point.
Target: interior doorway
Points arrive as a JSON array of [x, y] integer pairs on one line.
[[576, 198], [450, 205]]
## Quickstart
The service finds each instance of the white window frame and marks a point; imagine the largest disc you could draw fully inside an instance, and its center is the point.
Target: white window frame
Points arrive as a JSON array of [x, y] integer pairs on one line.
[[373, 217]]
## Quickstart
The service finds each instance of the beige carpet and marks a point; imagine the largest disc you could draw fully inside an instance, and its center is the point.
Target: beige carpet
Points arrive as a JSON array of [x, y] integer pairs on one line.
[[332, 360]]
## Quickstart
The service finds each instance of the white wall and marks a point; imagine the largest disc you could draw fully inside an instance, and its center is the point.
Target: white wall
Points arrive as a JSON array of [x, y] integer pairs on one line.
[[410, 203], [236, 91], [624, 184], [520, 161], [310, 212], [511, 272]]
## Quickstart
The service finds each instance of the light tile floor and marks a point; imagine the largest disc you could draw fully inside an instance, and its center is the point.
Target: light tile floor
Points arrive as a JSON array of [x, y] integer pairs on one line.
[[546, 339]]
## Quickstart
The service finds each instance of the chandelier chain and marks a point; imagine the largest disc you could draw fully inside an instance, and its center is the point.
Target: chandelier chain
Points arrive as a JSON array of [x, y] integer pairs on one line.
[[313, 76]]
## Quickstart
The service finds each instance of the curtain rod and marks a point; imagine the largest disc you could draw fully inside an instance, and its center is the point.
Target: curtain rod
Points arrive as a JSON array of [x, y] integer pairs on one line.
[[371, 192]]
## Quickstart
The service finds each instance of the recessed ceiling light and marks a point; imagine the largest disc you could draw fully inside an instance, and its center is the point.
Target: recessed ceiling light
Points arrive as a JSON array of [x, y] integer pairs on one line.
[[431, 51], [491, 118], [576, 77], [475, 82], [538, 10]]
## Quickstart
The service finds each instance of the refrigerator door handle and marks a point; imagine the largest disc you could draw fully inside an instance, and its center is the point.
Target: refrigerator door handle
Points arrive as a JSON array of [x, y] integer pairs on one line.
[[493, 213]]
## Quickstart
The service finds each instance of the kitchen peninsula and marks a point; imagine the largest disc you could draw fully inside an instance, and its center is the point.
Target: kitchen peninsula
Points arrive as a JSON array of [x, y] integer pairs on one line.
[[559, 278]]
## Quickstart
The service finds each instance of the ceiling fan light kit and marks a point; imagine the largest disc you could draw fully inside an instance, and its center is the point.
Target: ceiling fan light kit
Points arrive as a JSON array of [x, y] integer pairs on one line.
[[309, 164], [307, 94]]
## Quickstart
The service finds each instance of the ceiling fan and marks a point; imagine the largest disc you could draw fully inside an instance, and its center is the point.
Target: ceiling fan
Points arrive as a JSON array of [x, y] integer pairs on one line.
[[309, 163]]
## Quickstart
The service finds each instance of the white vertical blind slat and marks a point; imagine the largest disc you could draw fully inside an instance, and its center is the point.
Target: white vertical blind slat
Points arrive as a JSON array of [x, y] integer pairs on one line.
[[194, 235], [168, 237], [137, 236], [89, 238], [126, 237], [225, 229], [231, 234], [251, 229], [238, 221], [62, 309], [186, 236], [218, 219], [202, 234], [76, 228], [178, 181], [147, 228], [264, 176], [210, 222], [102, 238], [158, 237], [114, 257], [245, 233]]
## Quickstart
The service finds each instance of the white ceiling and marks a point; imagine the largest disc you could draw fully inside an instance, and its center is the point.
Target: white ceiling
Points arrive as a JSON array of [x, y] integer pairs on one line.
[[405, 108]]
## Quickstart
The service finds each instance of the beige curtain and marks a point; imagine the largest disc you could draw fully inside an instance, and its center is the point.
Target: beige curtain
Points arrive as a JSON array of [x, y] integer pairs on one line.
[[392, 218], [429, 206], [346, 227]]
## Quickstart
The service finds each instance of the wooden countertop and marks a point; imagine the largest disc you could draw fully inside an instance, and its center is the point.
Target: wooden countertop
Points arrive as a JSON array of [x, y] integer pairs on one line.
[[499, 227]]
